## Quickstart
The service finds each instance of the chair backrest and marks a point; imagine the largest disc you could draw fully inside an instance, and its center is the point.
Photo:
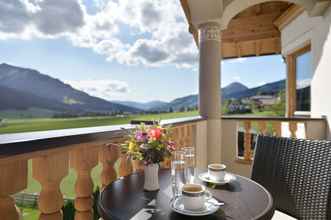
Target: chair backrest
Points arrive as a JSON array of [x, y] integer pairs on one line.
[[297, 173]]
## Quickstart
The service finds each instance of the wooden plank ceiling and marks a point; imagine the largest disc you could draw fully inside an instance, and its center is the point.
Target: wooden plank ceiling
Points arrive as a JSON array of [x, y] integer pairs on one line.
[[253, 32]]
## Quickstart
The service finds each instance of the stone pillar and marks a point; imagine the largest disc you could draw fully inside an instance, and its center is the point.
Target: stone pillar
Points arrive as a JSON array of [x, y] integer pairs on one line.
[[209, 87]]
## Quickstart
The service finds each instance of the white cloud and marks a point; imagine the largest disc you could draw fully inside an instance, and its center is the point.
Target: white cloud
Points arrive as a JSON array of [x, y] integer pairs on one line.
[[106, 89], [13, 16], [161, 29], [158, 27], [60, 16], [40, 18]]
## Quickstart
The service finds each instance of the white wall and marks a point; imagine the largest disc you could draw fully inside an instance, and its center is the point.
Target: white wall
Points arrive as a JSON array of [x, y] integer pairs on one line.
[[316, 30]]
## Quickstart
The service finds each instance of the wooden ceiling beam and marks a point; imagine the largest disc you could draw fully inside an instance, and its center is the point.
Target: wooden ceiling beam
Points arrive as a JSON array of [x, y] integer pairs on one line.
[[288, 16], [261, 47], [250, 33]]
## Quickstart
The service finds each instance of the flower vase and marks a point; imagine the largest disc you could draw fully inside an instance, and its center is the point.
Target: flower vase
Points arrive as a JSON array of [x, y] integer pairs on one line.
[[151, 177]]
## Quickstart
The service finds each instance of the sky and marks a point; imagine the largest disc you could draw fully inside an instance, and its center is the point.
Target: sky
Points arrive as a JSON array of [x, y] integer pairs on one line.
[[116, 49]]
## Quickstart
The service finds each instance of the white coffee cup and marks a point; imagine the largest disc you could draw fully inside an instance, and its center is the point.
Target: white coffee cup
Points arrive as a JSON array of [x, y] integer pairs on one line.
[[216, 171], [194, 196]]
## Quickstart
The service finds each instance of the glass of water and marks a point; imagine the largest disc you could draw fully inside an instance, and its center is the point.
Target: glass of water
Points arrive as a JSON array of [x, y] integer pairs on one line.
[[177, 172], [189, 161]]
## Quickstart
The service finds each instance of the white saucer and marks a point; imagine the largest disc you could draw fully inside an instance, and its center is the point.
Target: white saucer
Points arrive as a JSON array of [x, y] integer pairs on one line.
[[227, 178], [178, 206]]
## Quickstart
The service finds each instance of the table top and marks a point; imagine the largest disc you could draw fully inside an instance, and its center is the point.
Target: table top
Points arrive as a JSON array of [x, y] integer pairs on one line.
[[125, 199]]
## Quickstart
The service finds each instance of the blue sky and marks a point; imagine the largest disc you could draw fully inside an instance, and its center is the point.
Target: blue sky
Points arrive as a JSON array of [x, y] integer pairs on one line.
[[146, 56]]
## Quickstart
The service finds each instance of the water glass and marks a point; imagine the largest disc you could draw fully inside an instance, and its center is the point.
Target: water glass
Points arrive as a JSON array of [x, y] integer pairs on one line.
[[189, 159], [177, 172]]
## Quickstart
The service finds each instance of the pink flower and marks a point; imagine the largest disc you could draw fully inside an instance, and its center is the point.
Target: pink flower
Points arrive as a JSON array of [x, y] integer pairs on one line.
[[140, 136], [171, 146], [155, 133]]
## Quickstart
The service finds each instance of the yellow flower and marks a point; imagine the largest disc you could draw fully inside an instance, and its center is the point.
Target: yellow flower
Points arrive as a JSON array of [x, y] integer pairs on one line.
[[132, 146]]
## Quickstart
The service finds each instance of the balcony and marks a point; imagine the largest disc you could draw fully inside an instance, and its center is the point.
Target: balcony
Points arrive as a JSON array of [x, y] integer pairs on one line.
[[216, 26], [53, 153]]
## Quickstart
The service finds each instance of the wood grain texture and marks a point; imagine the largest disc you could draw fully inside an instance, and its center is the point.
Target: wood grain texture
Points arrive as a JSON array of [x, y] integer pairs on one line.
[[262, 125], [288, 16], [49, 172], [108, 155], [291, 78], [277, 128], [247, 140], [13, 179], [251, 33], [83, 160], [293, 127]]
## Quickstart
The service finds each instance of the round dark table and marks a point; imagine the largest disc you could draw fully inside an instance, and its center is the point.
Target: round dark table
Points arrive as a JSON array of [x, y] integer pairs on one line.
[[125, 199]]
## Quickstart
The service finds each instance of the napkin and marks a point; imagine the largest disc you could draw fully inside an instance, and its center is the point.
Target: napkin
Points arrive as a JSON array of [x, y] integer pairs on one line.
[[145, 213]]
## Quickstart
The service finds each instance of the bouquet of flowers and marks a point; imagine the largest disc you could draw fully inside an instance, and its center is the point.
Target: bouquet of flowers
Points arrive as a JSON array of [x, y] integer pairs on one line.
[[151, 144]]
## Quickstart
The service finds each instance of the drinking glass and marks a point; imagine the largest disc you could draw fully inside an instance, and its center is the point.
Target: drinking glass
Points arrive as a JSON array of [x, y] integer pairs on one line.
[[189, 159], [177, 172]]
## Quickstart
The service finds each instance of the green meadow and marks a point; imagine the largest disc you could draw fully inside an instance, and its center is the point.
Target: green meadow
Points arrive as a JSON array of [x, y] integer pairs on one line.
[[42, 124]]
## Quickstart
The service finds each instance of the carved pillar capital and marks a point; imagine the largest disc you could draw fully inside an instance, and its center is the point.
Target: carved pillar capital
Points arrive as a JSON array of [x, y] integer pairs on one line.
[[209, 32]]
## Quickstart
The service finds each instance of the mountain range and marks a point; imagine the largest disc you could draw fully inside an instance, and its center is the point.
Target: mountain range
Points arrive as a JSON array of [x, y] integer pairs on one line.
[[23, 89], [232, 91], [143, 105]]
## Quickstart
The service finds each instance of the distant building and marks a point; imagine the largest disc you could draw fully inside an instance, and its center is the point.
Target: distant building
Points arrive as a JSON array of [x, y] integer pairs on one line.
[[235, 108], [264, 100]]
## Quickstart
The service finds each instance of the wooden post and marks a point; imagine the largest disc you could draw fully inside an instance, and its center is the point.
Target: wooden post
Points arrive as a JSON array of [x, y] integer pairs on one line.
[[277, 128], [13, 179], [49, 170], [290, 86], [125, 167], [247, 140], [291, 79], [137, 165], [108, 155], [83, 159], [262, 127], [293, 126]]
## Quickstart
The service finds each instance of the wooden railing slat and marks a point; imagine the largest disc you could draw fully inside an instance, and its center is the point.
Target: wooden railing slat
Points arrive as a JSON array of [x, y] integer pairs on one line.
[[262, 125], [83, 160], [49, 171], [247, 140], [13, 179], [125, 167], [108, 155], [293, 127], [277, 128]]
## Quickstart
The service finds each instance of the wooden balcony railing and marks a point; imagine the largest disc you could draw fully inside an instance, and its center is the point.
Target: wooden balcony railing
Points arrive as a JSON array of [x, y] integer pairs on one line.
[[295, 127], [54, 152]]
